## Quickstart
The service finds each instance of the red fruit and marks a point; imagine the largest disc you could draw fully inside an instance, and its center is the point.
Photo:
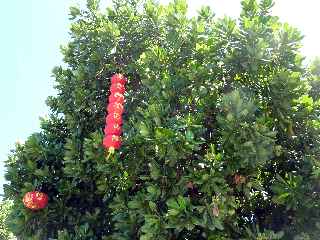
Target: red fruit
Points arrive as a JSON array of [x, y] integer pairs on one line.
[[115, 107], [117, 87], [112, 141], [35, 200], [112, 128], [114, 118], [118, 78], [116, 97]]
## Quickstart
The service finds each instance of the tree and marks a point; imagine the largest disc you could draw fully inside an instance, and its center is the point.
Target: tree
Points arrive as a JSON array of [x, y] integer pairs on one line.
[[5, 207], [221, 135], [314, 79]]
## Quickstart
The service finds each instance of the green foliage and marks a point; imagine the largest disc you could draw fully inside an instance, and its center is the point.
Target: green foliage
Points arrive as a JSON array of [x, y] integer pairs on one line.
[[5, 208], [221, 130], [314, 79]]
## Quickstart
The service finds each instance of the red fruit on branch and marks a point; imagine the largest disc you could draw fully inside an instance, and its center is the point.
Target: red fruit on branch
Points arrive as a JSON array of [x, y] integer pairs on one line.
[[117, 87], [118, 78], [116, 97], [114, 117], [115, 107], [112, 129], [112, 141], [35, 200]]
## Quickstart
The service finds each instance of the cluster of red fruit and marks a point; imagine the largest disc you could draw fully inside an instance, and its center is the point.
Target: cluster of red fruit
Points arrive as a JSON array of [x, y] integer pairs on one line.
[[35, 200], [112, 130]]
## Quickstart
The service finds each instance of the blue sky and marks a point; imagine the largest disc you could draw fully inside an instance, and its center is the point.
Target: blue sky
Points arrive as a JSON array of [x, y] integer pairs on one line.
[[33, 30]]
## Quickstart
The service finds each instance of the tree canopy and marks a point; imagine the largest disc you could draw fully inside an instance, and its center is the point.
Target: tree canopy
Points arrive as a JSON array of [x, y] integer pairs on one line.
[[220, 135], [5, 208]]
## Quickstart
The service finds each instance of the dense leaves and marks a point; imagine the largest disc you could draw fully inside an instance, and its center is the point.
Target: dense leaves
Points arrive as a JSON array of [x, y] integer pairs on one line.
[[220, 130], [5, 207]]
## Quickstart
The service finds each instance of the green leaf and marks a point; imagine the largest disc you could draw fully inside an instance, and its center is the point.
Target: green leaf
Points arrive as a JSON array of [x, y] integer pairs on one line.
[[74, 12], [144, 131], [172, 204]]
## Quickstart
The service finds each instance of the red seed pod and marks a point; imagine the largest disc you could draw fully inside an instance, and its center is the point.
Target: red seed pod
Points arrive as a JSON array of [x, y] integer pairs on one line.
[[116, 97], [117, 87], [35, 200], [118, 78], [112, 141], [112, 129], [114, 118], [115, 108]]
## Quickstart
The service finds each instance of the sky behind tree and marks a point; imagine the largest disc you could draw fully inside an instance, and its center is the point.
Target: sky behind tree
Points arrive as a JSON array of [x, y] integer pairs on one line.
[[33, 30]]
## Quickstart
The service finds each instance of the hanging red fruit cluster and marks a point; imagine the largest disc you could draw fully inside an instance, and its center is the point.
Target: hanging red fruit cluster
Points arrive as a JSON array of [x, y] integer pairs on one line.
[[35, 200], [113, 130]]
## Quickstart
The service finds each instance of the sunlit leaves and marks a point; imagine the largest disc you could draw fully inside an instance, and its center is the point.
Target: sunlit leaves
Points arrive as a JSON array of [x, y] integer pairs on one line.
[[221, 130]]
